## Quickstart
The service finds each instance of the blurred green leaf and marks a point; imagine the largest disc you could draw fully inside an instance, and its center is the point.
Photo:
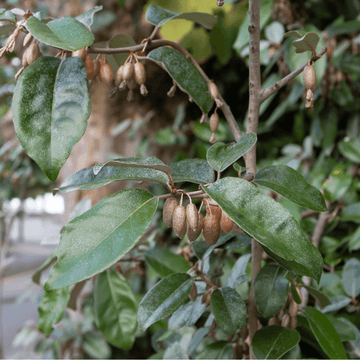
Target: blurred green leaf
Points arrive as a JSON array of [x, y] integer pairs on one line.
[[197, 171], [351, 277], [350, 148]]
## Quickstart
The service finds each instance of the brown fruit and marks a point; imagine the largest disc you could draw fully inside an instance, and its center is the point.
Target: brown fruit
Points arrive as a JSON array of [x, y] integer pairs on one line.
[[89, 66], [274, 321], [194, 234], [179, 221], [212, 138], [309, 77], [80, 53], [293, 309], [24, 59], [168, 210], [192, 216], [27, 39], [285, 320], [193, 293], [106, 73], [214, 122], [139, 73], [211, 229], [97, 65], [119, 75], [131, 83], [226, 223], [32, 53], [128, 71], [214, 91]]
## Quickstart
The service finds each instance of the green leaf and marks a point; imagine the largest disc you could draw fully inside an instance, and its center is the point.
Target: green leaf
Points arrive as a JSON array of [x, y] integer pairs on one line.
[[163, 299], [325, 333], [203, 132], [337, 186], [229, 309], [175, 351], [275, 32], [271, 290], [337, 303], [289, 183], [165, 137], [271, 342], [306, 43], [119, 41], [238, 271], [87, 17], [51, 105], [158, 16], [351, 277], [95, 240], [293, 33], [220, 156], [51, 308], [343, 327], [147, 163], [214, 350], [48, 262], [294, 292], [7, 14], [294, 353], [196, 171], [350, 148], [116, 309], [165, 263], [269, 223], [351, 213], [86, 179], [59, 33], [185, 74], [199, 335], [95, 346]]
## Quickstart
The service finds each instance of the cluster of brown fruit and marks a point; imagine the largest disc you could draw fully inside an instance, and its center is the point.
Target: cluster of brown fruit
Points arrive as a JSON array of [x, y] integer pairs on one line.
[[310, 82], [191, 222], [289, 318]]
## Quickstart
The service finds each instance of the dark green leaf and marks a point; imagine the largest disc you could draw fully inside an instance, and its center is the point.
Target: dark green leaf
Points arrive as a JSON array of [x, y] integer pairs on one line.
[[238, 271], [51, 308], [185, 74], [271, 290], [306, 43], [116, 309], [165, 263], [271, 342], [325, 333], [240, 240], [156, 15], [269, 223], [294, 353], [320, 297], [343, 327], [60, 33], [163, 299], [87, 18], [289, 183], [118, 41], [351, 277], [51, 106], [294, 293], [220, 156], [350, 148], [197, 171], [293, 33], [165, 137], [341, 27], [95, 345], [229, 309], [200, 247], [85, 178], [337, 186], [351, 213], [98, 238], [48, 262]]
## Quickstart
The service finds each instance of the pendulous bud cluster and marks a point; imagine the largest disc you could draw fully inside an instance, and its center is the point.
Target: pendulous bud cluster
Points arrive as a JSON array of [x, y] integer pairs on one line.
[[310, 82], [192, 222]]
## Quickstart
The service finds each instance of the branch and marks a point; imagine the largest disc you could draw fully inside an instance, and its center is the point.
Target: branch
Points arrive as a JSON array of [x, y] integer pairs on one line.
[[273, 88]]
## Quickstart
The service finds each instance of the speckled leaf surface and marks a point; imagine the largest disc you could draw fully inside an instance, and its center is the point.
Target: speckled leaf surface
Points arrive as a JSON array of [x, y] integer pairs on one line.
[[87, 17], [271, 342], [163, 299], [289, 183], [115, 308], [51, 105], [220, 156], [196, 171], [98, 238], [228, 309], [157, 15], [271, 290], [60, 33], [51, 308], [269, 223], [185, 74], [85, 179]]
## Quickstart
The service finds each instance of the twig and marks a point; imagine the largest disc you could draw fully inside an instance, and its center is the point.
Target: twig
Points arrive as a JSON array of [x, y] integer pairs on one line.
[[273, 88], [307, 213], [194, 194]]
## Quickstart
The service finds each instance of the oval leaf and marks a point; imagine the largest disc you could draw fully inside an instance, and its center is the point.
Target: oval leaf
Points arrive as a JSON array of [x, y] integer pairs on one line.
[[98, 238], [350, 148], [221, 156], [157, 15], [271, 342], [238, 271], [51, 106], [116, 309], [269, 223], [323, 330], [51, 308], [271, 290], [185, 74], [351, 213], [228, 309], [307, 43], [164, 298], [196, 171], [87, 17], [165, 263], [351, 277], [289, 183], [60, 33], [86, 179]]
